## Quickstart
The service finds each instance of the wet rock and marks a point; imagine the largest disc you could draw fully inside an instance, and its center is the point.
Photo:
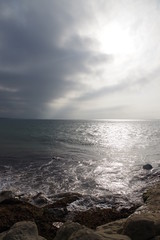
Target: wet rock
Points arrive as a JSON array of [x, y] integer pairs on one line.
[[57, 224], [22, 231], [95, 217], [39, 200], [139, 227], [147, 166], [64, 199]]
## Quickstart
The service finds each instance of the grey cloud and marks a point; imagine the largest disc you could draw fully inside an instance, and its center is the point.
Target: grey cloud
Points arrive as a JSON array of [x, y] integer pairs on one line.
[[129, 84], [103, 91], [31, 59]]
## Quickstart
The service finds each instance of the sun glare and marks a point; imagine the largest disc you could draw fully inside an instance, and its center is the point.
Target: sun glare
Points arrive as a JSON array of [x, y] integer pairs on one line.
[[115, 39]]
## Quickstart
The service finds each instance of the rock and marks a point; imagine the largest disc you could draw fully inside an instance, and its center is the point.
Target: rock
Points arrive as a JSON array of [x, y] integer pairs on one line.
[[13, 211], [147, 166], [152, 197], [57, 224], [75, 231], [115, 227], [40, 200], [139, 227], [4, 195], [95, 217], [157, 225], [22, 231], [115, 237], [156, 238], [56, 213], [64, 199], [85, 234], [67, 230]]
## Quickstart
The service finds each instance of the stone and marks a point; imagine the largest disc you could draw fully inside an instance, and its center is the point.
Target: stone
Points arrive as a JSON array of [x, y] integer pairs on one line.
[[115, 227], [64, 199], [147, 166], [157, 238], [14, 210], [74, 231], [94, 217], [25, 230], [115, 237], [4, 195], [157, 225], [138, 227], [67, 230], [40, 200], [85, 234]]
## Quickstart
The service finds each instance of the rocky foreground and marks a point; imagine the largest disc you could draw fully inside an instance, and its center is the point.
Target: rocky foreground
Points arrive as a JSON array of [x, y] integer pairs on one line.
[[20, 220]]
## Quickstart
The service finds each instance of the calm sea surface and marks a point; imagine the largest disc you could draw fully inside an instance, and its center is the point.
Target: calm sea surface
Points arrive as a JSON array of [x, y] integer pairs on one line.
[[96, 158]]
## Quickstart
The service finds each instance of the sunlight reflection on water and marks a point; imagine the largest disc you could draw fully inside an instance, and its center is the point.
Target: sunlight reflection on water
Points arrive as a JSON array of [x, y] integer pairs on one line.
[[90, 157]]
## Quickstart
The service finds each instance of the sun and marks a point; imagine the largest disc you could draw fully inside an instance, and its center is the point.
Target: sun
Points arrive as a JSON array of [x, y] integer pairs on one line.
[[114, 39]]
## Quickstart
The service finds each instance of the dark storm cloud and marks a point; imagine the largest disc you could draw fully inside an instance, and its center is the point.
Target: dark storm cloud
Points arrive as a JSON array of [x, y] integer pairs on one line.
[[31, 60]]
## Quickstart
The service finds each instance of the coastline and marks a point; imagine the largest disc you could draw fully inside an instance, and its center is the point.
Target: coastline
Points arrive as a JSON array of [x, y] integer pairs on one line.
[[102, 221]]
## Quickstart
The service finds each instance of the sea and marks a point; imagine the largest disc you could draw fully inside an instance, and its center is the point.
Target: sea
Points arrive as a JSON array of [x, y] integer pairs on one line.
[[100, 159]]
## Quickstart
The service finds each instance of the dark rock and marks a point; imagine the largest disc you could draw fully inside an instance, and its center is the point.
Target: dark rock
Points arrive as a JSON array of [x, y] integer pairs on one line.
[[40, 200], [57, 213], [115, 227], [95, 217], [75, 231], [147, 166], [156, 238], [22, 231], [5, 195], [67, 230], [13, 211], [139, 228], [85, 234], [64, 199]]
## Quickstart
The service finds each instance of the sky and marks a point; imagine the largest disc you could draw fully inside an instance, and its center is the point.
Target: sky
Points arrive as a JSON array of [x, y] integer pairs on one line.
[[88, 59]]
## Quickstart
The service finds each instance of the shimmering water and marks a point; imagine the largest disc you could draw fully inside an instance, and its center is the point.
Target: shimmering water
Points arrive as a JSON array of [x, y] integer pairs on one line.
[[97, 158]]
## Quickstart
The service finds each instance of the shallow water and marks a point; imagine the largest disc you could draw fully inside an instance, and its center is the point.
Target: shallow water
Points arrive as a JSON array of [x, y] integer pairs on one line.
[[101, 159]]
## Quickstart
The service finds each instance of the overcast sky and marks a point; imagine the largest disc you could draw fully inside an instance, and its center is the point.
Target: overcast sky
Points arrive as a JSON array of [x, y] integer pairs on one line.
[[85, 59]]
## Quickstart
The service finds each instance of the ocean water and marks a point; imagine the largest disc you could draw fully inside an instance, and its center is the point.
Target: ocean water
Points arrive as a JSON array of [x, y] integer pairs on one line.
[[102, 159]]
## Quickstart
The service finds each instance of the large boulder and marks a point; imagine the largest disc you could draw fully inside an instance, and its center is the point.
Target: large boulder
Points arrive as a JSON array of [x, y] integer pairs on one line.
[[140, 227], [74, 231], [14, 210], [67, 230], [85, 234], [25, 230], [115, 227]]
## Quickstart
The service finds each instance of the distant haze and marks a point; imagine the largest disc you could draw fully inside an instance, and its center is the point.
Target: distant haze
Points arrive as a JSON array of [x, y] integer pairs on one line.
[[80, 59]]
